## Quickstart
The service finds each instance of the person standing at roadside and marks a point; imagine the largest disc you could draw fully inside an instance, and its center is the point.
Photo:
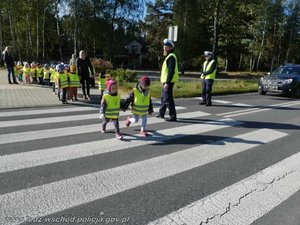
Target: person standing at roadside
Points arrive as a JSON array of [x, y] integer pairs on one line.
[[73, 60], [9, 63], [84, 68], [208, 75], [168, 77]]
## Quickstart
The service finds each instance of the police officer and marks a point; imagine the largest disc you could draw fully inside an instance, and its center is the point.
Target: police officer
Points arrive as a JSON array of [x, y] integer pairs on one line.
[[169, 75], [207, 77]]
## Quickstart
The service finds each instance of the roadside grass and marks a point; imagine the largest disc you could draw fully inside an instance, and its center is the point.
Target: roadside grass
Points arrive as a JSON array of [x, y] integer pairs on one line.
[[193, 88]]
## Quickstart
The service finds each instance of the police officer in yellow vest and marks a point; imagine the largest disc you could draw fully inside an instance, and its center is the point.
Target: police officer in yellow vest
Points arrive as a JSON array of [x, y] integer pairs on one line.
[[169, 75], [208, 75]]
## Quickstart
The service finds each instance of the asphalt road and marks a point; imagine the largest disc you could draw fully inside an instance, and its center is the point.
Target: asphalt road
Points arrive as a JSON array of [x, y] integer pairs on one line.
[[236, 162]]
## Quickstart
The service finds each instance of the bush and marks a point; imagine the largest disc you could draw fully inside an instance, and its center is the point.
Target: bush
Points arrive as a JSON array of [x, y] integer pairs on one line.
[[193, 88], [121, 75], [101, 65]]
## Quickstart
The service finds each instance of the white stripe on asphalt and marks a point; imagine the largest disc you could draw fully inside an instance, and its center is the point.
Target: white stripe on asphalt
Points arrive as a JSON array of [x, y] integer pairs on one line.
[[222, 102], [60, 132], [52, 155], [46, 111], [61, 195], [266, 107], [58, 119], [238, 111], [242, 105], [261, 110], [256, 195]]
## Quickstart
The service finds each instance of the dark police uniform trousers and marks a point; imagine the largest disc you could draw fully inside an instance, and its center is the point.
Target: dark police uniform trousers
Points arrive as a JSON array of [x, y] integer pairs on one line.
[[206, 90], [167, 101]]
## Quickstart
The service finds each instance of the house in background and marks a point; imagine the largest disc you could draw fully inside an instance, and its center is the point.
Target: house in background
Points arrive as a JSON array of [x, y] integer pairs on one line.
[[135, 51]]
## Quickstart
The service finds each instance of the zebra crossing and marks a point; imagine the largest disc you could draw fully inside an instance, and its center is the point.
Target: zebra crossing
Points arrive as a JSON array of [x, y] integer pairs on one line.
[[172, 150]]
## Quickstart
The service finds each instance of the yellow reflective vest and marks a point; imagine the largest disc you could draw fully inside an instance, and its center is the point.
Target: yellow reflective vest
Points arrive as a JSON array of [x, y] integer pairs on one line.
[[165, 70], [33, 72], [47, 74], [112, 106], [39, 72], [63, 80], [53, 76], [74, 80], [207, 68], [140, 102], [19, 68], [26, 71], [101, 83]]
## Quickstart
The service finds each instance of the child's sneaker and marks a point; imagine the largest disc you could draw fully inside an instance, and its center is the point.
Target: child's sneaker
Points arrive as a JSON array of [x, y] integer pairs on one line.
[[128, 122], [119, 136], [144, 133]]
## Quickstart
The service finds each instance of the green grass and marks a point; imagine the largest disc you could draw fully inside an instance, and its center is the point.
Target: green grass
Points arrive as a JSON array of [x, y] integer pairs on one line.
[[193, 88]]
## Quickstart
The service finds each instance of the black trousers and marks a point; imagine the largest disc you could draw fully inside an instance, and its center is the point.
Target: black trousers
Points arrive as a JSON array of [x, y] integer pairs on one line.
[[85, 83], [167, 101], [206, 90]]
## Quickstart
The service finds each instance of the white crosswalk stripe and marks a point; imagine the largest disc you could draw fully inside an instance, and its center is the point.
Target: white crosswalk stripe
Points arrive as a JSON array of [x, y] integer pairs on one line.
[[45, 156], [15, 123], [225, 206], [228, 206]]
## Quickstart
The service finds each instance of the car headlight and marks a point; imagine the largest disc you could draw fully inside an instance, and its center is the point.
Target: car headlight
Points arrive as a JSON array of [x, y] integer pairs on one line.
[[288, 81]]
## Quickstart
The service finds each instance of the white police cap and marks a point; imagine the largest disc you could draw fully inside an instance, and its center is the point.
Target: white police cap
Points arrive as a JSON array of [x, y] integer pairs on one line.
[[207, 53], [169, 43]]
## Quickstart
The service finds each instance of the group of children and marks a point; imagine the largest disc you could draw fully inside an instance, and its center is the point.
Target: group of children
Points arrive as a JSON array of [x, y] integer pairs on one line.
[[34, 73], [139, 101], [66, 79], [61, 76], [67, 82]]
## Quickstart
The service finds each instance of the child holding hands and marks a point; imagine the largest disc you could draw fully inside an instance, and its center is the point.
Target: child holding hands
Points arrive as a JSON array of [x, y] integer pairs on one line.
[[141, 104], [110, 107]]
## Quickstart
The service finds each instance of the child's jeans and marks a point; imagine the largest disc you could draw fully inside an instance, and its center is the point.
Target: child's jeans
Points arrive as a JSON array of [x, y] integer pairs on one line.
[[135, 119], [53, 87]]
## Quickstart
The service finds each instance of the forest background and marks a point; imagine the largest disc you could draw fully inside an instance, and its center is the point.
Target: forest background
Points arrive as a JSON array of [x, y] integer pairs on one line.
[[245, 35]]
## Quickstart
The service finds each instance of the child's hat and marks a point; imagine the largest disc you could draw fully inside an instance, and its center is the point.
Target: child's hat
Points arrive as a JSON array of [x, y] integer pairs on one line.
[[109, 83], [145, 81], [60, 68]]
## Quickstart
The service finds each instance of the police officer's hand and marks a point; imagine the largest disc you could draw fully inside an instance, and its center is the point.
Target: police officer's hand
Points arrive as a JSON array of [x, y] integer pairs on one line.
[[101, 116], [202, 76]]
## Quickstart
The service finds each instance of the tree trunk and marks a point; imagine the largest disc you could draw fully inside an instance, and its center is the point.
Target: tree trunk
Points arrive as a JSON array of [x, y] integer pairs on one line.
[[76, 27], [11, 22], [18, 42], [94, 27], [37, 30], [112, 30], [216, 27], [288, 48], [1, 35], [240, 61], [28, 28], [43, 33], [261, 47], [59, 35]]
